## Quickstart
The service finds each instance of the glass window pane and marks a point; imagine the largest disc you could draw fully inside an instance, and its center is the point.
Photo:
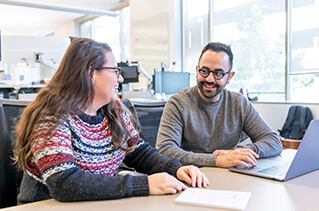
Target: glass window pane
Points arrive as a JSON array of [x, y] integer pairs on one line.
[[113, 30], [256, 32], [107, 29], [304, 88], [85, 29], [125, 34], [304, 51], [195, 32]]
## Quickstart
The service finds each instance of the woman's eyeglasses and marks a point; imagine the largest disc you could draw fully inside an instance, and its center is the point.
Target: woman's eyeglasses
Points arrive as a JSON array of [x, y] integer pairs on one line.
[[117, 70]]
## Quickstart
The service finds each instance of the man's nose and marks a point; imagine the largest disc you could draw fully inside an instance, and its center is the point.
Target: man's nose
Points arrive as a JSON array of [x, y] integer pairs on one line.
[[210, 78]]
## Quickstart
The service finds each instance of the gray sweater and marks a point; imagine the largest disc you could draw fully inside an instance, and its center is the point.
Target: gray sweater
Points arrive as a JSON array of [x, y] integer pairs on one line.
[[191, 129]]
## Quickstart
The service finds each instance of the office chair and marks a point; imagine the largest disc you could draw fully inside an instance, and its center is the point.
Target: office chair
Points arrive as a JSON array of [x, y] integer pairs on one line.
[[148, 116], [10, 175]]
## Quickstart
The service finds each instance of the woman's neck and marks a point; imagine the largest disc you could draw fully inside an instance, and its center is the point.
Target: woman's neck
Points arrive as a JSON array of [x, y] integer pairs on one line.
[[91, 110]]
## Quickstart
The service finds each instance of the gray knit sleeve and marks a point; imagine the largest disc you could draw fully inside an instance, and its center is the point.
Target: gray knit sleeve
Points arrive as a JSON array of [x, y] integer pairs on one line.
[[265, 142]]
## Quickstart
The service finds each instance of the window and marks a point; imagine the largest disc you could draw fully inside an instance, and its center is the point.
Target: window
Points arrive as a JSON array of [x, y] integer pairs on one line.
[[256, 32], [304, 51], [107, 29], [274, 60], [86, 29], [195, 29], [115, 31]]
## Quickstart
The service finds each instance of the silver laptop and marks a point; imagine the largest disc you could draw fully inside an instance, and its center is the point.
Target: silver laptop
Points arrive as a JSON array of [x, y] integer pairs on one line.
[[291, 163]]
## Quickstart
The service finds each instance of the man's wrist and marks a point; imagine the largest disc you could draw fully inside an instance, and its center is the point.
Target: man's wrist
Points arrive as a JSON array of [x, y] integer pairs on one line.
[[216, 158], [239, 147]]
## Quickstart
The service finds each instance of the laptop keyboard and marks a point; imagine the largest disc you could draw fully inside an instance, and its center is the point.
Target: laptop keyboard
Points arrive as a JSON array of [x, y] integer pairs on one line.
[[279, 170]]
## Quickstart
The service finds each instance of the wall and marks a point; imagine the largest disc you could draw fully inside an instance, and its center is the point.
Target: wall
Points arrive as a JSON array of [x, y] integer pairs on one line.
[[159, 38], [67, 30], [275, 113], [141, 9], [156, 7]]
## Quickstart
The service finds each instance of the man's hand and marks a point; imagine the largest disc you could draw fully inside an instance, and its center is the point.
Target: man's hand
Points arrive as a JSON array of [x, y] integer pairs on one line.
[[221, 152], [230, 158], [192, 176]]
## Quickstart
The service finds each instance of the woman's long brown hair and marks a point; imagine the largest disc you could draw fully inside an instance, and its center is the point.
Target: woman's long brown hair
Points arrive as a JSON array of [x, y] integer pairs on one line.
[[70, 91]]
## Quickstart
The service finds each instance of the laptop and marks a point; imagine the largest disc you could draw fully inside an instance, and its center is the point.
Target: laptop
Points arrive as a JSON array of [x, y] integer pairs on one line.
[[290, 163]]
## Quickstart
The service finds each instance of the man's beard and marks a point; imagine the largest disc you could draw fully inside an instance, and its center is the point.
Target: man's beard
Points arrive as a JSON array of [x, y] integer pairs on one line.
[[209, 94]]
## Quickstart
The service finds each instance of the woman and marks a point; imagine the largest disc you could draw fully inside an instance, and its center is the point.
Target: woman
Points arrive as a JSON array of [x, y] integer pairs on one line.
[[73, 137]]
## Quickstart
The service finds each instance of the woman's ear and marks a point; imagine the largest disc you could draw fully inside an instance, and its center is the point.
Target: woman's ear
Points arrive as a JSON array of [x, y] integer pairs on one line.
[[89, 72]]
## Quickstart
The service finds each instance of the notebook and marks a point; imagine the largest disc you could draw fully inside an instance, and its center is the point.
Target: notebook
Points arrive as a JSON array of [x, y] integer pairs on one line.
[[291, 163], [225, 199]]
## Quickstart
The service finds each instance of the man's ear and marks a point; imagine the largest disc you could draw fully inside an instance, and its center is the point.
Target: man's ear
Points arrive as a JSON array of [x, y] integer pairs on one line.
[[196, 71], [231, 75]]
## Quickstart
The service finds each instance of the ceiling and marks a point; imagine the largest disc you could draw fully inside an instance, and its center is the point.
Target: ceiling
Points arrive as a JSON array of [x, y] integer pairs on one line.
[[41, 17]]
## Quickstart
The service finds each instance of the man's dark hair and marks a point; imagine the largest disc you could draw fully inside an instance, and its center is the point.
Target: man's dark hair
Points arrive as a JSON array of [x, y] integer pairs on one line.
[[219, 47]]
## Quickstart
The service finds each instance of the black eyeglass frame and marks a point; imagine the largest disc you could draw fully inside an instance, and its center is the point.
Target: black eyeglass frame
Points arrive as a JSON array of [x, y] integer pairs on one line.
[[221, 71], [117, 72]]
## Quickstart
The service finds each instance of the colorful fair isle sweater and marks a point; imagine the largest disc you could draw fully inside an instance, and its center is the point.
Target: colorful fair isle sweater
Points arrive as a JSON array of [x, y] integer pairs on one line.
[[79, 162]]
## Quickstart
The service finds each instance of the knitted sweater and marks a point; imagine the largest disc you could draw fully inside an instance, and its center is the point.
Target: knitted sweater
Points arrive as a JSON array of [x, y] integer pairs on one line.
[[191, 129], [79, 162]]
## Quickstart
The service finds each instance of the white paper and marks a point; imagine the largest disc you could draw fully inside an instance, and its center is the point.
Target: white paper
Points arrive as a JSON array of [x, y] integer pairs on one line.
[[235, 200]]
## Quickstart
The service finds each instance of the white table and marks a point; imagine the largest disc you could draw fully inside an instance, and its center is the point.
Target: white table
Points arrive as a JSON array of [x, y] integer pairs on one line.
[[301, 193]]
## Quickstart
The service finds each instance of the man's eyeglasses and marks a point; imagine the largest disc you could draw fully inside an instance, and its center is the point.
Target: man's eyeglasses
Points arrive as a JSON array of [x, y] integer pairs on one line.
[[218, 73], [117, 70]]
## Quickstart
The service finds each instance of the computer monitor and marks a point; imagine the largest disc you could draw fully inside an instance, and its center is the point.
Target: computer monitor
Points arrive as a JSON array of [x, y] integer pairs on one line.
[[129, 73], [170, 82]]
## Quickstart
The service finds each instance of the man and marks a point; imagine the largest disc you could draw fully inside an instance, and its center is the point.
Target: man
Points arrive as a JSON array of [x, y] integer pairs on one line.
[[203, 125]]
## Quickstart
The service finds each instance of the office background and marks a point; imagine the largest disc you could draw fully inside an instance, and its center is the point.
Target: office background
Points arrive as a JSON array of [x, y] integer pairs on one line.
[[274, 47]]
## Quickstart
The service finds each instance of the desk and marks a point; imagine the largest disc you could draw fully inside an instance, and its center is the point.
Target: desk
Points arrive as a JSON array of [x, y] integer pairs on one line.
[[290, 143], [7, 88], [301, 193]]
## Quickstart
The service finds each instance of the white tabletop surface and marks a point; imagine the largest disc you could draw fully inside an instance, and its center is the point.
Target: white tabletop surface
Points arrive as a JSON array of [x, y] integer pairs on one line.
[[301, 193]]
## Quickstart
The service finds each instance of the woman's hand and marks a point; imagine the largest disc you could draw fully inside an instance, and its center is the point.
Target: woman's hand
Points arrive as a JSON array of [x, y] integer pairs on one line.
[[192, 176], [163, 183]]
